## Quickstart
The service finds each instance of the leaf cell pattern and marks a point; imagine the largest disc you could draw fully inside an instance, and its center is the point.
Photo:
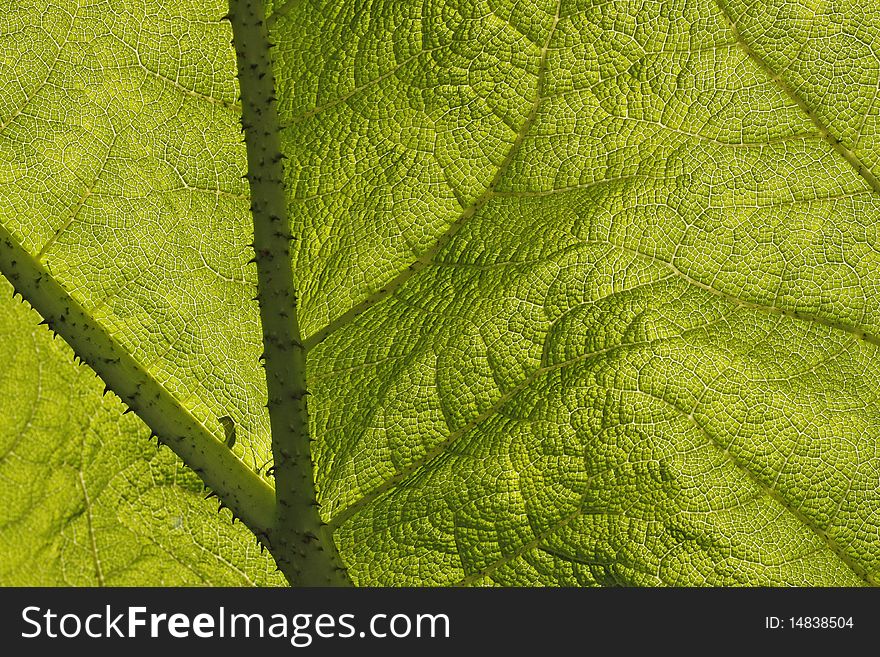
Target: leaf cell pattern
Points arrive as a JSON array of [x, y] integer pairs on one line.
[[589, 288]]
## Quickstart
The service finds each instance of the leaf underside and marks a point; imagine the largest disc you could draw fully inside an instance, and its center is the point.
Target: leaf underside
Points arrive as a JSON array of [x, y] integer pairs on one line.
[[589, 289], [87, 499]]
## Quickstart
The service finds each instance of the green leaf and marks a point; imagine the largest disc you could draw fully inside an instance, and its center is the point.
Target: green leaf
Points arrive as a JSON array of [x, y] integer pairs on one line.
[[87, 499], [587, 292]]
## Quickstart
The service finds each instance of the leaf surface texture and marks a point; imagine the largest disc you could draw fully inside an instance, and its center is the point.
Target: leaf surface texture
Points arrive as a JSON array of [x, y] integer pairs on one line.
[[589, 288]]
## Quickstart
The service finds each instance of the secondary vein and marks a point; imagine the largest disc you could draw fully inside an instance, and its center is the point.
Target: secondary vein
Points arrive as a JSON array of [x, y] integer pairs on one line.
[[427, 257], [824, 131], [240, 488]]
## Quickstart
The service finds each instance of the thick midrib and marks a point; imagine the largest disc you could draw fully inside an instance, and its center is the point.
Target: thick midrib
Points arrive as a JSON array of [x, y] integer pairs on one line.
[[241, 489], [427, 257], [824, 131], [303, 549]]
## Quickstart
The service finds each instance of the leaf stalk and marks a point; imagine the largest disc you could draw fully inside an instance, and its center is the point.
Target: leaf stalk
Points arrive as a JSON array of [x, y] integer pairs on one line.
[[301, 543]]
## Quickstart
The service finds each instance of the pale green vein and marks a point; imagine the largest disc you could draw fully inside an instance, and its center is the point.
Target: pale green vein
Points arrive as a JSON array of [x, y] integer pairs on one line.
[[96, 559], [853, 329], [280, 10], [797, 99], [80, 203], [487, 571], [425, 259], [175, 84], [366, 85], [345, 514], [5, 124], [771, 492], [765, 489]]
